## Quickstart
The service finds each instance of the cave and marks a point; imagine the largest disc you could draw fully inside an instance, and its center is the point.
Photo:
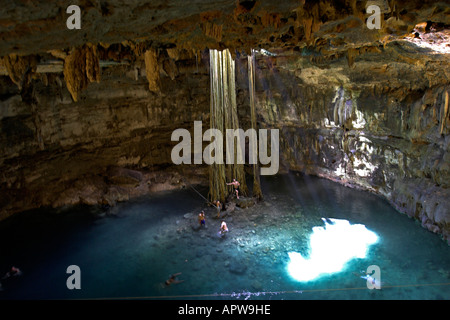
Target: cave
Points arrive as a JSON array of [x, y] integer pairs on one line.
[[121, 123]]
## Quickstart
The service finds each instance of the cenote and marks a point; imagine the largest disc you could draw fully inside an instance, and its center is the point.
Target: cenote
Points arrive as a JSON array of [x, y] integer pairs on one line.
[[130, 254], [333, 117]]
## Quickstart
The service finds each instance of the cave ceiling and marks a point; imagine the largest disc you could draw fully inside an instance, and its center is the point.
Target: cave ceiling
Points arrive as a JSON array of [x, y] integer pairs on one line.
[[36, 27]]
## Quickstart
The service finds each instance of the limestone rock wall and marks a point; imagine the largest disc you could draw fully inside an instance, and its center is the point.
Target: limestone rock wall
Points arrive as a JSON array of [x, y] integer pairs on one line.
[[112, 143], [380, 126], [380, 123]]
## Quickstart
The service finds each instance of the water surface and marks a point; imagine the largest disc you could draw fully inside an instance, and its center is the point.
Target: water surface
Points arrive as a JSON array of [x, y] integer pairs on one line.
[[130, 254]]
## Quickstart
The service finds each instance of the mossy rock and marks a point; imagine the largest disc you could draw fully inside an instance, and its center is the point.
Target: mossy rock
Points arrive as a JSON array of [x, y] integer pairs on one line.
[[244, 202]]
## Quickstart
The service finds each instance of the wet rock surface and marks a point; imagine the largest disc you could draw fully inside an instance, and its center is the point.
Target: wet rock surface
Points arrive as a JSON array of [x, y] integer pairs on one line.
[[244, 202]]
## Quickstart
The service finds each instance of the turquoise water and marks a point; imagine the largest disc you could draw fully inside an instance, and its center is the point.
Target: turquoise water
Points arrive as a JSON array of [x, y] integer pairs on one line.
[[130, 254]]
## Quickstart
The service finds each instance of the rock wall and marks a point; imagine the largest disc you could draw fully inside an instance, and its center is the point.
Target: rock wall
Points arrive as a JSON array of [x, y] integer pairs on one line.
[[381, 124], [112, 143]]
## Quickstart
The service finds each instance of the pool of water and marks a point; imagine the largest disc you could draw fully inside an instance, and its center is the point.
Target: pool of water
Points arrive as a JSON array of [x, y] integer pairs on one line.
[[131, 254]]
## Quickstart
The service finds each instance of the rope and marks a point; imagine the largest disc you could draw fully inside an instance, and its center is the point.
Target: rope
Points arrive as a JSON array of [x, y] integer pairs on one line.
[[198, 192]]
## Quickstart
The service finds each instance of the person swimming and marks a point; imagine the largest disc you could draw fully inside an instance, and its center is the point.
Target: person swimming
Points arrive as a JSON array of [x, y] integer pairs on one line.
[[377, 283], [173, 279], [13, 272]]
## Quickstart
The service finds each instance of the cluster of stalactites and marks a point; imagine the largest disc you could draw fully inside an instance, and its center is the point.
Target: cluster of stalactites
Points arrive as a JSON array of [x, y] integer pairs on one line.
[[20, 68], [81, 66]]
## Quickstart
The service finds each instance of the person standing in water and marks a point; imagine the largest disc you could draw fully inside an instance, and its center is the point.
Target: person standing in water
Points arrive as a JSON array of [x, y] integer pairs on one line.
[[202, 219], [236, 185], [223, 227], [218, 207]]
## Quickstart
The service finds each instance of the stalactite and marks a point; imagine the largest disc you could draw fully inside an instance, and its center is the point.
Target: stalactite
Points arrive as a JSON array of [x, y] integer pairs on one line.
[[20, 68], [271, 20], [311, 20], [257, 193], [37, 124], [444, 114], [224, 116], [81, 67], [170, 67], [28, 94], [213, 30], [152, 69], [351, 54], [92, 63]]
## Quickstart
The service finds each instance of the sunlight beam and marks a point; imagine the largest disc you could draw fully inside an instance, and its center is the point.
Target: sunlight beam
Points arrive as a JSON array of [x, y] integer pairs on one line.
[[331, 247]]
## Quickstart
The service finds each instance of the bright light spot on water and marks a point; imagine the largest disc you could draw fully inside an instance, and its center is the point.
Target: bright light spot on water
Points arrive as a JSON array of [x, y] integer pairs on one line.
[[331, 247]]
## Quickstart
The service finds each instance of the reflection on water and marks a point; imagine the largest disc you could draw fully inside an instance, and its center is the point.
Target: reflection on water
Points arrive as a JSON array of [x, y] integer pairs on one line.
[[133, 253]]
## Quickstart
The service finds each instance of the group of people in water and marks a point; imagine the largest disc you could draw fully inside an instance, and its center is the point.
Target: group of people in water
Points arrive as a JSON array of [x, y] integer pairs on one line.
[[202, 218], [173, 279], [223, 226], [202, 222]]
